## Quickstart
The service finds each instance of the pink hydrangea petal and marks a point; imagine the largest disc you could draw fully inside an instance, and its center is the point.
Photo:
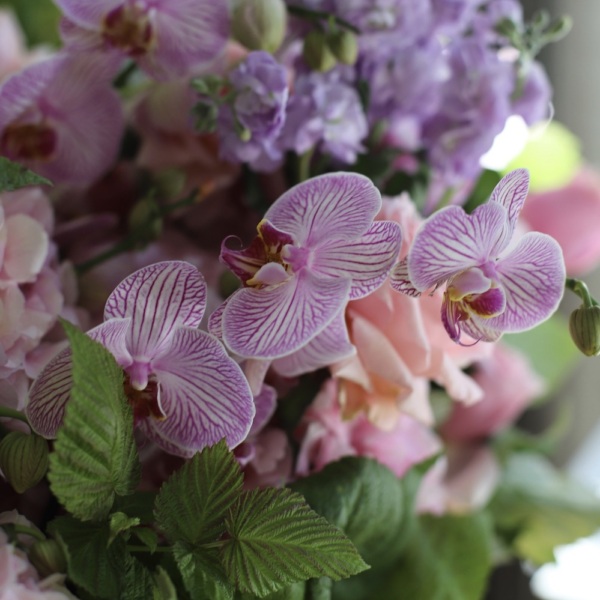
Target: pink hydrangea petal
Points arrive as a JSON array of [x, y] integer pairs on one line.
[[366, 260], [400, 280], [204, 393], [51, 390], [26, 248], [86, 13], [451, 241], [158, 299], [328, 347], [335, 205], [265, 403], [274, 322], [511, 193], [533, 278]]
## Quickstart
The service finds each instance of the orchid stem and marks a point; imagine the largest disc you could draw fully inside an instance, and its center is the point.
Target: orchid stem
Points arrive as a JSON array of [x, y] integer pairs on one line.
[[119, 248], [581, 289], [304, 161], [11, 413]]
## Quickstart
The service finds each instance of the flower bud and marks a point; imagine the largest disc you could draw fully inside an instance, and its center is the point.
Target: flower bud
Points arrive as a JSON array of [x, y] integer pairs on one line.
[[23, 459], [584, 325], [259, 24], [344, 46], [317, 53], [145, 221], [47, 557]]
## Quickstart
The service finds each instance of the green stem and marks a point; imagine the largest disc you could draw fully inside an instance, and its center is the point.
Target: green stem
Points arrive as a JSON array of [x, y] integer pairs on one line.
[[119, 248], [187, 201], [312, 15], [11, 413], [581, 289], [134, 548], [35, 533], [123, 77], [304, 161]]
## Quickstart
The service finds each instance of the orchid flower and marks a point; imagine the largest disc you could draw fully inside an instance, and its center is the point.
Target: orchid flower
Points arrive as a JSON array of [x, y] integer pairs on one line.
[[317, 248], [167, 38], [185, 391], [492, 286]]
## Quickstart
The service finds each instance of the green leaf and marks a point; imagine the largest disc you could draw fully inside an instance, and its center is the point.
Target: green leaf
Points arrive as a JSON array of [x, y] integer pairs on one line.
[[148, 537], [538, 508], [138, 583], [95, 456], [274, 539], [92, 563], [138, 504], [192, 504], [120, 522], [448, 558], [164, 588], [14, 176]]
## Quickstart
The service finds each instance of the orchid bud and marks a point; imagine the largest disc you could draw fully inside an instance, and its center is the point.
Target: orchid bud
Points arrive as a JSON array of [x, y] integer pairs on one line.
[[23, 459], [584, 325], [344, 46], [259, 24], [145, 221], [47, 557], [316, 52]]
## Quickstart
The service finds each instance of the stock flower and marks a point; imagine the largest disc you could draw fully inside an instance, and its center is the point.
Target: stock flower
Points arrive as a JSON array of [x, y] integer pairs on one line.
[[492, 286], [166, 38], [317, 248], [185, 391]]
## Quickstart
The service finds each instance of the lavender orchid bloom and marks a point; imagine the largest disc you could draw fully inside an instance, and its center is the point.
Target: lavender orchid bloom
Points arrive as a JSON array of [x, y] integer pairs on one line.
[[185, 391], [167, 38], [317, 248], [492, 287]]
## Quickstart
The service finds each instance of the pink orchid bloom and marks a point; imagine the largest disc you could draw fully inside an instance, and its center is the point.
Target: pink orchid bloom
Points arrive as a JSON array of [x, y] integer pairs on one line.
[[167, 38], [492, 286], [317, 248], [60, 118], [185, 391]]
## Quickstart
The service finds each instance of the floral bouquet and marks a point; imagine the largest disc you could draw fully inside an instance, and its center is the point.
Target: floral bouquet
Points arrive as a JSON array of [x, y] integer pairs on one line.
[[254, 274]]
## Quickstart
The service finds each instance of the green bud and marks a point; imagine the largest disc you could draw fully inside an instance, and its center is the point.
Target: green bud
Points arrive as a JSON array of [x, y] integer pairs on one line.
[[584, 325], [259, 24], [145, 221], [317, 53], [47, 557], [23, 459], [558, 29], [344, 46], [205, 114]]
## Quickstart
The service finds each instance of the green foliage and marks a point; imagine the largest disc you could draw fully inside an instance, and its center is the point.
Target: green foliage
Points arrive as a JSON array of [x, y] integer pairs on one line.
[[14, 176], [537, 508], [119, 522], [447, 558], [148, 537], [137, 581], [274, 538], [202, 575], [94, 456], [23, 459]]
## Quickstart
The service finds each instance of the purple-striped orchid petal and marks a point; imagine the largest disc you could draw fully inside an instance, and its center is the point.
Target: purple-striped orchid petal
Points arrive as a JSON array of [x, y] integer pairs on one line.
[[204, 394], [158, 299], [333, 206], [274, 321], [266, 403], [511, 193], [85, 13], [367, 261], [330, 346], [400, 279]]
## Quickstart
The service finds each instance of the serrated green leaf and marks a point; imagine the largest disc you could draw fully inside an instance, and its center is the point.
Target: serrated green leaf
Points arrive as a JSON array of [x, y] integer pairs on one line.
[[138, 504], [137, 583], [276, 539], [120, 522], [539, 508], [95, 456], [92, 563], [148, 537], [448, 558], [14, 176], [164, 588], [192, 504]]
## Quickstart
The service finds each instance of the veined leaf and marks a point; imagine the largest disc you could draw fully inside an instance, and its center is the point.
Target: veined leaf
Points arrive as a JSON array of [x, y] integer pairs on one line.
[[94, 456], [14, 176], [276, 539], [137, 581]]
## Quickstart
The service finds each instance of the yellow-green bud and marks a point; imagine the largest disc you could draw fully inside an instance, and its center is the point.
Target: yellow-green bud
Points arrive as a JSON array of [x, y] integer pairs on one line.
[[344, 46], [23, 459], [584, 325], [47, 557], [259, 24], [145, 221], [316, 52]]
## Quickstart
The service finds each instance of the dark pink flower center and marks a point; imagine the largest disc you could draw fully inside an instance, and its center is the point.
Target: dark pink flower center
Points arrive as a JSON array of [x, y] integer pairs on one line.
[[129, 27], [144, 403], [29, 141]]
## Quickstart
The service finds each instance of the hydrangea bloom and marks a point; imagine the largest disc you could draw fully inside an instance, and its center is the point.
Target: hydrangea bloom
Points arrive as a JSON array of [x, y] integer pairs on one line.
[[317, 247], [185, 391], [167, 38], [492, 286]]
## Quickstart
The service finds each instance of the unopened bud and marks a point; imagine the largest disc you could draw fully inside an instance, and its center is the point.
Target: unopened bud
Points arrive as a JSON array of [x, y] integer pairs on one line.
[[316, 52], [259, 24], [344, 46], [145, 221], [47, 557], [23, 459], [584, 325]]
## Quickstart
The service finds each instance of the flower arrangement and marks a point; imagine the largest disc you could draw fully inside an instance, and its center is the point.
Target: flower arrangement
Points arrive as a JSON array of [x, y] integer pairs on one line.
[[254, 280]]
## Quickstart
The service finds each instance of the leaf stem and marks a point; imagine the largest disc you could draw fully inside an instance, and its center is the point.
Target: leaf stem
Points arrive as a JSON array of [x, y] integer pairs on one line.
[[24, 529], [581, 289], [11, 413], [304, 161], [118, 248]]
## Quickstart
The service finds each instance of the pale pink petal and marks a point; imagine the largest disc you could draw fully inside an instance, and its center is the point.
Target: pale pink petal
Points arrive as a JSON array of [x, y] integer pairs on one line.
[[330, 346], [86, 13], [400, 280], [458, 385], [274, 322], [204, 393], [451, 241], [533, 278], [511, 193], [215, 321], [366, 260], [158, 299], [332, 206], [265, 403], [26, 248]]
